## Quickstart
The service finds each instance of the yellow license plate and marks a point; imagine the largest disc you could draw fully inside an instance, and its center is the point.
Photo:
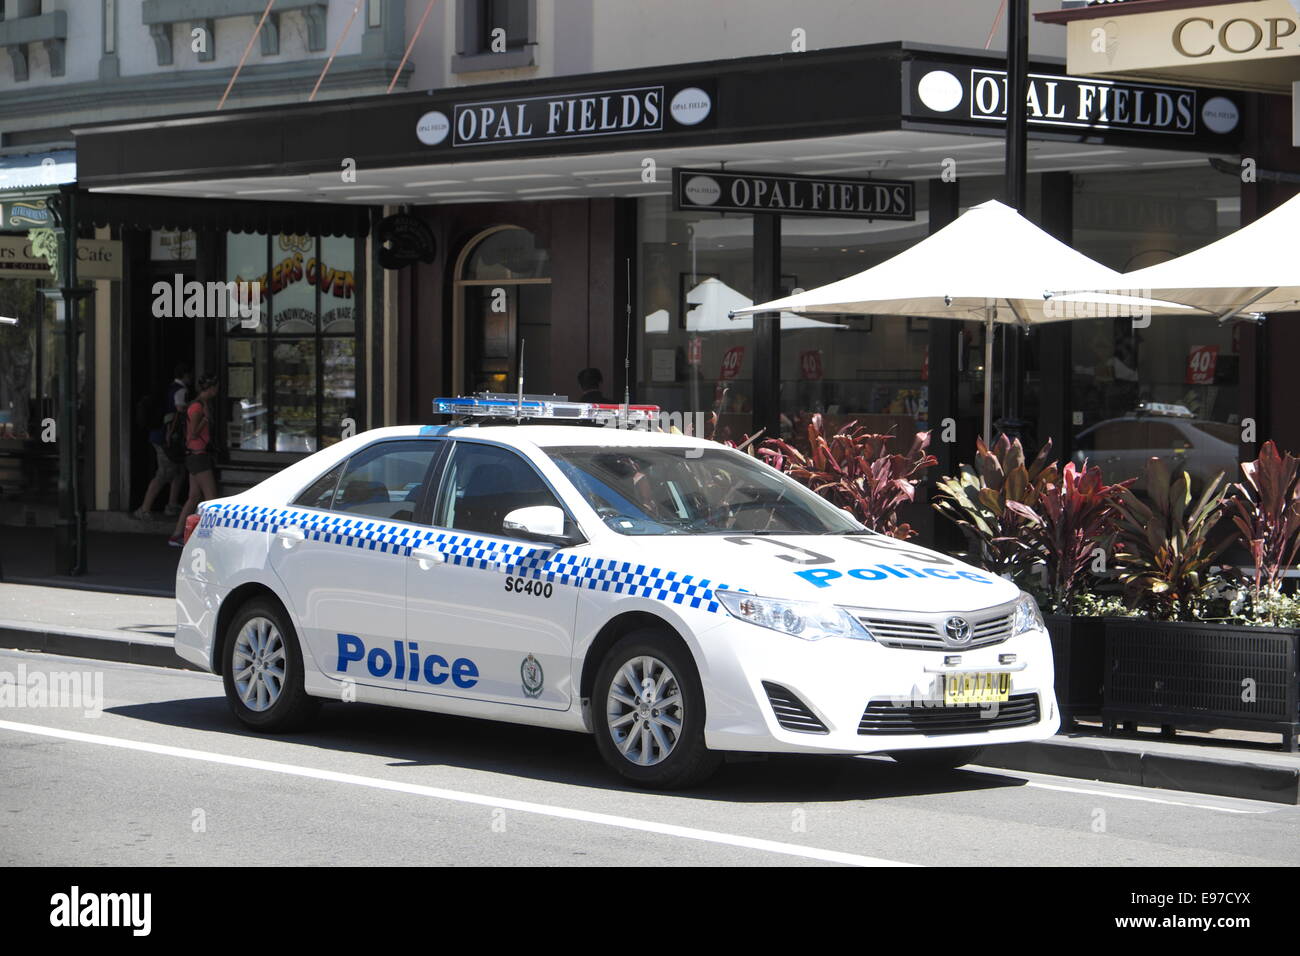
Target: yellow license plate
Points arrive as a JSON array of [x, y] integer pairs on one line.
[[976, 688]]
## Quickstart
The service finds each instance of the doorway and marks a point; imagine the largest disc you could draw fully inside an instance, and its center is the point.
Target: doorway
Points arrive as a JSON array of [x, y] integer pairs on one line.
[[502, 309]]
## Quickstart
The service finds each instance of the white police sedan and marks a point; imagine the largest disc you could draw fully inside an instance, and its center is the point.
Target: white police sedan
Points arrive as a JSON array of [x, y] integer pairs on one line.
[[676, 599]]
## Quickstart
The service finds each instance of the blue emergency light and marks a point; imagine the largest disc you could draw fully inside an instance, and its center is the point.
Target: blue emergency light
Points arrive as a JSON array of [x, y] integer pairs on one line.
[[543, 407]]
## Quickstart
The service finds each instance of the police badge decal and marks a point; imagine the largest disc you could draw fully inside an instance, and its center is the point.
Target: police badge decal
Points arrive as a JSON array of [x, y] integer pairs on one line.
[[530, 672]]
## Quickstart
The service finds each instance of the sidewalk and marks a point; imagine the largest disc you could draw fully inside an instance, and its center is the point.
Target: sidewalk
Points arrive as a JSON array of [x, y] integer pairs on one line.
[[104, 626], [139, 629], [117, 561]]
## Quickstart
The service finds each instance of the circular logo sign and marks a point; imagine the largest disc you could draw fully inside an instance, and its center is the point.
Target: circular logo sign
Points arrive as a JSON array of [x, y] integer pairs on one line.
[[432, 128], [957, 630], [1220, 114], [940, 91], [530, 674], [702, 190], [690, 106]]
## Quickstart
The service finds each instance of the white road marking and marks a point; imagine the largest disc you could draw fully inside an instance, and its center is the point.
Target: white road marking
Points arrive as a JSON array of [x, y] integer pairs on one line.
[[457, 796]]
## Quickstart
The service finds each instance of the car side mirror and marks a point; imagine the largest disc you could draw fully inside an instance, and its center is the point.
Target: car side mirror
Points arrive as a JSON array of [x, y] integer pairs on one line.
[[539, 523]]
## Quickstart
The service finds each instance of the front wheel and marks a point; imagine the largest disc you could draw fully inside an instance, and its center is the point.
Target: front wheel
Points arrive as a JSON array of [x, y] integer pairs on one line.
[[648, 710], [263, 670], [946, 758]]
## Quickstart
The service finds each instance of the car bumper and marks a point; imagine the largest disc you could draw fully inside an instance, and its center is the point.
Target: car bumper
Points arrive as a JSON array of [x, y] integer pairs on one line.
[[769, 692]]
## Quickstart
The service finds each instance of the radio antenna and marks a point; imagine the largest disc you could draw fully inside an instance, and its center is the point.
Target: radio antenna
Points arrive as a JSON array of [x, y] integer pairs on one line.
[[627, 347], [519, 408]]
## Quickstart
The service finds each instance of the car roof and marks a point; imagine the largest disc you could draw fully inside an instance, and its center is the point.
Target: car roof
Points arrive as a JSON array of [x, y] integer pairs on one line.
[[540, 436], [553, 436]]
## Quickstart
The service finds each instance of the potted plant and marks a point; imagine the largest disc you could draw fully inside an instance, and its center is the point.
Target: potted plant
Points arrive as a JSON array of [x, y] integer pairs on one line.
[[1073, 521], [992, 501], [1019, 517], [1190, 662], [855, 470]]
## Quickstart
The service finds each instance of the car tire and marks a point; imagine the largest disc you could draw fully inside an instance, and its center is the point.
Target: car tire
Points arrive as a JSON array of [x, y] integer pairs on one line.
[[631, 732], [947, 758], [263, 671]]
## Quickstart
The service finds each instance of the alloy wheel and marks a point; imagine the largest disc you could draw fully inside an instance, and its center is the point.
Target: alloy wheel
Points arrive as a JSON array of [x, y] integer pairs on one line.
[[645, 711], [259, 664]]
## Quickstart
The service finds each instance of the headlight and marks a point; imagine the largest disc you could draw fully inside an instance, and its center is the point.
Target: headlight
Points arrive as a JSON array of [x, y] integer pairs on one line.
[[1027, 616], [808, 620]]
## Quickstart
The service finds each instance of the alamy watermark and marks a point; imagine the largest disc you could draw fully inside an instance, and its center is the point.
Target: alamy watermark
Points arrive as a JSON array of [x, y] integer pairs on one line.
[[40, 690], [1101, 304], [208, 300]]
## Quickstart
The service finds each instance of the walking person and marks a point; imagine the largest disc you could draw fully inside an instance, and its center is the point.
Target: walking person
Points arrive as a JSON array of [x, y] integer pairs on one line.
[[167, 438], [198, 454]]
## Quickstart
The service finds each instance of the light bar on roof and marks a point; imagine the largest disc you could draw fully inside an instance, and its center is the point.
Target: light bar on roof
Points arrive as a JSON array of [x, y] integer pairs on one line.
[[543, 408]]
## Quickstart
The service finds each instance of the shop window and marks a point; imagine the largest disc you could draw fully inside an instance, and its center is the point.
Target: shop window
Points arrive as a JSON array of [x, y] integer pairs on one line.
[[290, 378], [1170, 388], [31, 372], [495, 34], [868, 369], [25, 369], [693, 358]]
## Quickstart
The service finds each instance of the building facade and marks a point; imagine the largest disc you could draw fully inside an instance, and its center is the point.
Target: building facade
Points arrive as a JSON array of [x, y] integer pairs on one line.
[[594, 184]]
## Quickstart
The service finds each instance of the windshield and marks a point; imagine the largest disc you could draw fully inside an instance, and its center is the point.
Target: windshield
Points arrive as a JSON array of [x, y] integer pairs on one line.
[[662, 490]]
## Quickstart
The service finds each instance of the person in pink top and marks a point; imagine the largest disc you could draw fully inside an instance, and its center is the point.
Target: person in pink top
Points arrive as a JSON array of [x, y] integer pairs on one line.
[[198, 454]]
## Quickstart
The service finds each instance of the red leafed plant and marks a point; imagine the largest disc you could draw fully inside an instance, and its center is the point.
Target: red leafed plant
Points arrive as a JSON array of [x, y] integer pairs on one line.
[[984, 501], [855, 470], [1073, 517], [1266, 511]]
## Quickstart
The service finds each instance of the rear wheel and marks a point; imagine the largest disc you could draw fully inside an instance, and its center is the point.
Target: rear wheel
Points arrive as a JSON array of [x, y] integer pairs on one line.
[[648, 710], [947, 758], [263, 670]]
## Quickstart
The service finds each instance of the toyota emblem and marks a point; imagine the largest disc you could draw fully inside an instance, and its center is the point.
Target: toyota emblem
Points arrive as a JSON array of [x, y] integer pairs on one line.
[[957, 630]]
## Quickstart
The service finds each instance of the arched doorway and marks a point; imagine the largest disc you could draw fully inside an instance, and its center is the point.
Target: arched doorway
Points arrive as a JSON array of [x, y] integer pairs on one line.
[[502, 299]]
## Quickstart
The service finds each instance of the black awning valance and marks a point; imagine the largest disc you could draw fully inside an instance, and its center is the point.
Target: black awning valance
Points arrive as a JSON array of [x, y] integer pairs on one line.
[[222, 215]]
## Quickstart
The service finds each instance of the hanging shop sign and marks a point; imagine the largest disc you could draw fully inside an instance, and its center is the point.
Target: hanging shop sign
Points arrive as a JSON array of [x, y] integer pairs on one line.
[[735, 191], [978, 95], [96, 259], [609, 112], [403, 239], [172, 245], [24, 214]]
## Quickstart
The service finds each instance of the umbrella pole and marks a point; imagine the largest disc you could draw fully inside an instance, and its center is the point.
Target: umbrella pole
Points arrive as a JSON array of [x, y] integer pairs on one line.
[[990, 312]]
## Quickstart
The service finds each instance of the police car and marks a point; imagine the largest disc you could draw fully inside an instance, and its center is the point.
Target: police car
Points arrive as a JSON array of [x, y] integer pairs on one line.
[[676, 599]]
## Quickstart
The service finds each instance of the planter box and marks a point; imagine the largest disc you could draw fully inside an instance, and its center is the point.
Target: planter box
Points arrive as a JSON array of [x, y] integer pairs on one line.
[[1194, 676], [1079, 657]]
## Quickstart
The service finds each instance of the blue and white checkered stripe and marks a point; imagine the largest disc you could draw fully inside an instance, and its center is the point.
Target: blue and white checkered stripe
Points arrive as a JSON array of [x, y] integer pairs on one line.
[[517, 560]]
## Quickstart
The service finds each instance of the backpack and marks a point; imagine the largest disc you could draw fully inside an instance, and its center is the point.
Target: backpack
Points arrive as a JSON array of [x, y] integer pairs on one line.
[[175, 425]]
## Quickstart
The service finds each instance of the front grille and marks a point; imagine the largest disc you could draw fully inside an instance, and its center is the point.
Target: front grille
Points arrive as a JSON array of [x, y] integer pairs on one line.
[[886, 717], [791, 712], [928, 634]]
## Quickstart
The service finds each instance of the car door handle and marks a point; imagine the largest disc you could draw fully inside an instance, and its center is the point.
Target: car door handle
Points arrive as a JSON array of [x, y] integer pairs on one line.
[[428, 557], [290, 535]]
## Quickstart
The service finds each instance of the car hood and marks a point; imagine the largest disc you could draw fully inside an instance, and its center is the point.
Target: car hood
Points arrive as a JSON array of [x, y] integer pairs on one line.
[[871, 571]]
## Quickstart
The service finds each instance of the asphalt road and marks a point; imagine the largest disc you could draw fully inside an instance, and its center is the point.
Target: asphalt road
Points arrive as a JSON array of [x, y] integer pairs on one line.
[[164, 775]]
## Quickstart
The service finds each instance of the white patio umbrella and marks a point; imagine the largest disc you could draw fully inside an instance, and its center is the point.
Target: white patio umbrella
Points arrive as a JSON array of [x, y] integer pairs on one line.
[[1255, 269], [714, 303], [991, 265]]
